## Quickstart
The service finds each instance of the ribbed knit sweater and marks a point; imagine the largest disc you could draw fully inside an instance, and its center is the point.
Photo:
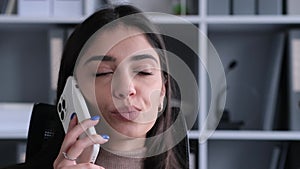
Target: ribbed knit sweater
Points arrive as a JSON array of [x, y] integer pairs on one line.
[[121, 160]]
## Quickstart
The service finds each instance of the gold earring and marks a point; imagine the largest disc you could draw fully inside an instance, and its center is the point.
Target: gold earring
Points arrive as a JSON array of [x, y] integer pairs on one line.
[[161, 107]]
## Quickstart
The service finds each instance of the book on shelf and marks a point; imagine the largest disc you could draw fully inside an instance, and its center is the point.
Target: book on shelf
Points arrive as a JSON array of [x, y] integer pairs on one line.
[[270, 7], [11, 7], [283, 155], [293, 7], [192, 7], [217, 7], [294, 79], [90, 6], [3, 5], [21, 152], [275, 72], [275, 157], [292, 158], [192, 162], [246, 7], [58, 8], [279, 156], [34, 8], [8, 7], [68, 8], [194, 154], [164, 6], [242, 7]]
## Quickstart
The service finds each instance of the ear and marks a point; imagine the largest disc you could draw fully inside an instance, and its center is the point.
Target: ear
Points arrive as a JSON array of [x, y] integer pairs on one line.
[[162, 93]]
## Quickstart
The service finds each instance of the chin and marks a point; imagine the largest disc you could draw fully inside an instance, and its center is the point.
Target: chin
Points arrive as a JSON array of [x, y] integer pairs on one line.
[[134, 133], [132, 130]]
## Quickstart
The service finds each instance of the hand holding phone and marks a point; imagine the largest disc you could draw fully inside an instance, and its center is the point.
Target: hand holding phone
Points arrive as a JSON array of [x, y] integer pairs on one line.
[[72, 101]]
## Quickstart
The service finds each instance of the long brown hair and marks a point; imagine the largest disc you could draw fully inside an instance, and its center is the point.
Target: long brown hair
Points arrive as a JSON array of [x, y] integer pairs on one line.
[[176, 157]]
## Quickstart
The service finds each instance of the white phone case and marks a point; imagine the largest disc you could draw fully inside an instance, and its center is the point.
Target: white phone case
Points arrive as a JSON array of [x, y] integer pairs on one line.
[[72, 101]]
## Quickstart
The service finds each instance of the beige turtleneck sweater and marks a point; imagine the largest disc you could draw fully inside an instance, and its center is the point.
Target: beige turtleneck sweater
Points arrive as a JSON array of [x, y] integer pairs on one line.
[[121, 160]]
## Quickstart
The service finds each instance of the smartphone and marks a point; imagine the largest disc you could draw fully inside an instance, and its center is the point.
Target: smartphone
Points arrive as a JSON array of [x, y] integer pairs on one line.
[[72, 101]]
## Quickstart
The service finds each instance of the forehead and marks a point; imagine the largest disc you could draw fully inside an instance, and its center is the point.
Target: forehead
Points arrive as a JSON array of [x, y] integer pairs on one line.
[[105, 40], [119, 41]]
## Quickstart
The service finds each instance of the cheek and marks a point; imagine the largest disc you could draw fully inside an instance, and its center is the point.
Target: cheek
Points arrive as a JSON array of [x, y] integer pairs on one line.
[[95, 94], [152, 96], [151, 100], [102, 94], [151, 93], [87, 88]]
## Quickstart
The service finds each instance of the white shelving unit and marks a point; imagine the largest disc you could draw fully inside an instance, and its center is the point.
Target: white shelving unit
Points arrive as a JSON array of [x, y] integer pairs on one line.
[[15, 19], [251, 135], [212, 27], [225, 32]]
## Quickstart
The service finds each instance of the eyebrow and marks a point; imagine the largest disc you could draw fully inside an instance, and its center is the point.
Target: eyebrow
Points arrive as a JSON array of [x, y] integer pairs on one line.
[[113, 59], [100, 58], [143, 56]]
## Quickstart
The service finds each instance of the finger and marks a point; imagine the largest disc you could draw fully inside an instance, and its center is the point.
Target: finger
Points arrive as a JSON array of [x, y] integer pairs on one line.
[[79, 166], [73, 122], [80, 145], [60, 162], [72, 136], [87, 165]]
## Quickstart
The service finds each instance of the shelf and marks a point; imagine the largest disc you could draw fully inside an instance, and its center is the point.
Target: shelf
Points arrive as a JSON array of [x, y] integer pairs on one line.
[[250, 135], [174, 19], [165, 19], [250, 23], [15, 19], [157, 18], [193, 134], [253, 19]]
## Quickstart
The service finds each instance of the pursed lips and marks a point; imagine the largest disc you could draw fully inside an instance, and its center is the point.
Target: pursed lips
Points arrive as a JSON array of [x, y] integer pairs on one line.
[[126, 113]]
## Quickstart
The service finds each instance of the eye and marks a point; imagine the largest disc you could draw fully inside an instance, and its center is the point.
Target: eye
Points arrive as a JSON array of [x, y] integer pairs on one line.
[[143, 72], [102, 74]]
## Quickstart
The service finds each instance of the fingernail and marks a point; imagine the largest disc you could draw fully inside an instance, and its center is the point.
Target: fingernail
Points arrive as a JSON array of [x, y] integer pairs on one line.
[[72, 116], [106, 137], [97, 117]]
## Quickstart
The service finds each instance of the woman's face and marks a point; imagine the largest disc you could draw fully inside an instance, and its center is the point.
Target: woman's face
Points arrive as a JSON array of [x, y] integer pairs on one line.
[[120, 75]]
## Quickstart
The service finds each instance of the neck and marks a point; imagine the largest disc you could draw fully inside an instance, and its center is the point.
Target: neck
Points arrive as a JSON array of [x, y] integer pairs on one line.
[[118, 141], [121, 143]]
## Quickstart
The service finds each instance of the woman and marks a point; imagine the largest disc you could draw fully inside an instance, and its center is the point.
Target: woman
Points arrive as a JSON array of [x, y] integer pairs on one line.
[[119, 61], [126, 43]]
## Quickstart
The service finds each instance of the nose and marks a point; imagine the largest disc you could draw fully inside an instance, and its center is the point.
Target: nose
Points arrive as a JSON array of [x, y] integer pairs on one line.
[[123, 86]]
